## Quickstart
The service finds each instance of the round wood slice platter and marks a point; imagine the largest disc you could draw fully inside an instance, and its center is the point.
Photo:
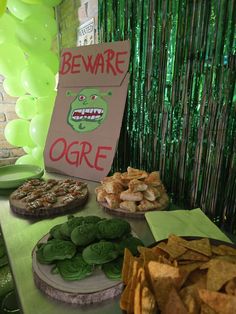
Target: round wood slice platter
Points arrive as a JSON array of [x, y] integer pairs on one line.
[[124, 213], [75, 194], [93, 289]]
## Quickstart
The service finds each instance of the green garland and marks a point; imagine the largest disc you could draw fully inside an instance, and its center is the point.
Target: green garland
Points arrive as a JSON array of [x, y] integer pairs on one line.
[[180, 114]]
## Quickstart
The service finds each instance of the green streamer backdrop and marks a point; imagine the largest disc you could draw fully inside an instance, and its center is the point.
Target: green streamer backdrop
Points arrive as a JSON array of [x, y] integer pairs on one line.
[[180, 115]]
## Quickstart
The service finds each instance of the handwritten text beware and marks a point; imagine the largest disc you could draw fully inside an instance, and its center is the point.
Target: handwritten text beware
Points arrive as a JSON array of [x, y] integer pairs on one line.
[[109, 62]]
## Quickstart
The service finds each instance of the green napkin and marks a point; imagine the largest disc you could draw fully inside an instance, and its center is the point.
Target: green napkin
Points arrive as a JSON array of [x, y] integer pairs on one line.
[[183, 223]]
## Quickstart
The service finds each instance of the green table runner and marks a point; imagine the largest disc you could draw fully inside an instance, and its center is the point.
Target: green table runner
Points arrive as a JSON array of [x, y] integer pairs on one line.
[[183, 223]]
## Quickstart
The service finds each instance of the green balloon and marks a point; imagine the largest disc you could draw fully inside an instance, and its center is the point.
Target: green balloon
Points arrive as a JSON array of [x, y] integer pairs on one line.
[[17, 133], [46, 104], [28, 149], [40, 162], [26, 107], [7, 29], [37, 152], [39, 128], [18, 8], [3, 5], [48, 23], [32, 1], [23, 10], [13, 86], [49, 58], [52, 3], [38, 80], [12, 60], [32, 37], [27, 160]]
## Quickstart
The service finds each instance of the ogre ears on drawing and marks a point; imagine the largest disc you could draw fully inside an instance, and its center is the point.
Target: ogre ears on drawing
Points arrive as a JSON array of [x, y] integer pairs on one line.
[[69, 93], [109, 93]]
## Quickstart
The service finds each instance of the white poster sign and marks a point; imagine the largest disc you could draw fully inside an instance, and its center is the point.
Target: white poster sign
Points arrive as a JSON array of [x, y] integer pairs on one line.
[[86, 34]]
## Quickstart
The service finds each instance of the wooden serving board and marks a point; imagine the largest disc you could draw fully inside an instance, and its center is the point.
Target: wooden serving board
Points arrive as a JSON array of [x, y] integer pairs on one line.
[[124, 213], [93, 289], [23, 206]]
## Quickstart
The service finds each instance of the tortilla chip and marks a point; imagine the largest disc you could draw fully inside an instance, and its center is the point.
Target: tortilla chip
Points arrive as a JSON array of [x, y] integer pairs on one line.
[[150, 254], [174, 304], [141, 275], [124, 299], [223, 250], [197, 277], [148, 303], [201, 246], [134, 280], [127, 266], [219, 273], [230, 287], [137, 299], [191, 304], [189, 298], [186, 262], [187, 269], [163, 277], [153, 255], [144, 300], [174, 238], [180, 276], [127, 297], [130, 301], [173, 250], [228, 258], [207, 264], [193, 256], [189, 295], [164, 260], [220, 302], [205, 309]]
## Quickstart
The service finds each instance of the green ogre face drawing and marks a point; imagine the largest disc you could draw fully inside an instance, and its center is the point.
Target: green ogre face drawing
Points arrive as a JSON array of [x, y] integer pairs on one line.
[[88, 110]]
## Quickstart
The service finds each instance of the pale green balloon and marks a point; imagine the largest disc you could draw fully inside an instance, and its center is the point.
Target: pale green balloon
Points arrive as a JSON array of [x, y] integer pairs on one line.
[[48, 22], [38, 80], [23, 10], [18, 8], [26, 107], [13, 86], [52, 3], [17, 133], [37, 152], [32, 1], [40, 163], [46, 104], [28, 149], [32, 37], [27, 160], [7, 29], [39, 128], [12, 60], [49, 58], [3, 5]]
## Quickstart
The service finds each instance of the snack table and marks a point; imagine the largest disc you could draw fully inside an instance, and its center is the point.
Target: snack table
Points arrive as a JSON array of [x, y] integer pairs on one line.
[[21, 235]]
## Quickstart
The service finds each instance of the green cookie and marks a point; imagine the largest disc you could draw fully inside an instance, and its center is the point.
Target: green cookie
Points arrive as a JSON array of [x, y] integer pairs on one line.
[[100, 253]]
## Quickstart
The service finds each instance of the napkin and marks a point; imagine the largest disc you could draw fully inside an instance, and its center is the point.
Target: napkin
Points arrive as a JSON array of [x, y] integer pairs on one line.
[[183, 223]]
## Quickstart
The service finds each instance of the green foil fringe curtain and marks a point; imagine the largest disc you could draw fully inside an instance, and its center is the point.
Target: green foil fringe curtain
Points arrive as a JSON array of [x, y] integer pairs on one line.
[[180, 115]]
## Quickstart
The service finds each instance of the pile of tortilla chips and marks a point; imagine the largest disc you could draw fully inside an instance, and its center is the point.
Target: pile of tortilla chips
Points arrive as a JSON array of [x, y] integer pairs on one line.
[[180, 277]]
